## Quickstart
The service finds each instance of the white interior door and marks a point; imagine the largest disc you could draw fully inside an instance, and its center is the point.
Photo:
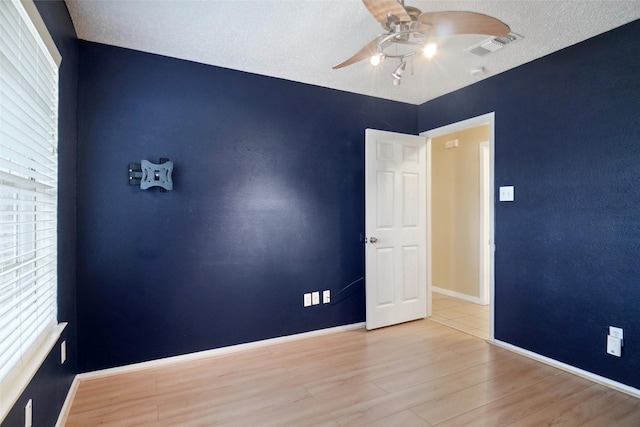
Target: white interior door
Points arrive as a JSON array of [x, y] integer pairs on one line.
[[396, 227]]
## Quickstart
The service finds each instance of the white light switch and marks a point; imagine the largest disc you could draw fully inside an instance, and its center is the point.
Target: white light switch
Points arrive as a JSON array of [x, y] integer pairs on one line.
[[507, 193]]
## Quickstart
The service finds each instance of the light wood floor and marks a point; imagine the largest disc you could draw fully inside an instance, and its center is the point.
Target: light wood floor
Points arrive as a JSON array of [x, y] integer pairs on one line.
[[461, 315], [416, 374]]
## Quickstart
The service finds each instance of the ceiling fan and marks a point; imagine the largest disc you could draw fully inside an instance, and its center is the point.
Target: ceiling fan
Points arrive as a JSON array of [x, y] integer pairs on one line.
[[409, 31]]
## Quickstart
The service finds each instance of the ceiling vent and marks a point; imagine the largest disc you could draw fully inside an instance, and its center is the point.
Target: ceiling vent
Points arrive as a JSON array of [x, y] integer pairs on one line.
[[492, 44]]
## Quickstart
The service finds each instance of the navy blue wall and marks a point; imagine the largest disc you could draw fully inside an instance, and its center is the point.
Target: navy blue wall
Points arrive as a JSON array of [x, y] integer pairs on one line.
[[267, 205], [567, 255], [49, 387]]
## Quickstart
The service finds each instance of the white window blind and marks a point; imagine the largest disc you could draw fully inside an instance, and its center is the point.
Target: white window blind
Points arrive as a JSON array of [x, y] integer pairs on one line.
[[28, 189]]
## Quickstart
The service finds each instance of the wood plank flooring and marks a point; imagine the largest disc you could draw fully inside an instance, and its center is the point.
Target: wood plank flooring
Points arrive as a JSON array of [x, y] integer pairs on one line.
[[415, 374], [461, 315]]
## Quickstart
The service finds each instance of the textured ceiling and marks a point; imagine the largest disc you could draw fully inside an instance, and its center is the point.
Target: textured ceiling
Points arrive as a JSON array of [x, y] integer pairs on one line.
[[301, 40]]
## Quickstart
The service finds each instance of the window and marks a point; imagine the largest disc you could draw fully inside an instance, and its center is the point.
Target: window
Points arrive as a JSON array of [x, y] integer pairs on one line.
[[28, 193]]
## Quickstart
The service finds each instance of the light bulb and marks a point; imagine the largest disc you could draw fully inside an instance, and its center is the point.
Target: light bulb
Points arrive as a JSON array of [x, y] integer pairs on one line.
[[430, 50], [376, 59]]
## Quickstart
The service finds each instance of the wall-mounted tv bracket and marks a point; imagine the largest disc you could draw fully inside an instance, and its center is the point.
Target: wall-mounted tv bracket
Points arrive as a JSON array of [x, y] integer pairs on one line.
[[147, 174]]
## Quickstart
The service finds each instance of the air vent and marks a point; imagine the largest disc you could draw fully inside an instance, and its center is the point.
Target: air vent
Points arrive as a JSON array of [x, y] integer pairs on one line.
[[451, 144], [492, 44]]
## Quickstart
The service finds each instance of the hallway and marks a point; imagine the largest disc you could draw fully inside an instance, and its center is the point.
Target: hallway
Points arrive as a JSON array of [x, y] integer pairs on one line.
[[461, 315]]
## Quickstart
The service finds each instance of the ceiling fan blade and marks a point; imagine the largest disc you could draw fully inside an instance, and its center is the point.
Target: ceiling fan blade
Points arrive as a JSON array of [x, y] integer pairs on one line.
[[413, 12], [459, 22], [381, 8], [366, 52]]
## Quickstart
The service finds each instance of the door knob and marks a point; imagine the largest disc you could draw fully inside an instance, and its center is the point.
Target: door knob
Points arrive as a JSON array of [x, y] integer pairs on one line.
[[373, 240]]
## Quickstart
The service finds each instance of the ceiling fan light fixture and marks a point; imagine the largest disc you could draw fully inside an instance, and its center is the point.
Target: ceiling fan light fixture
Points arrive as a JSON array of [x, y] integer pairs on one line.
[[399, 71], [430, 50], [408, 31]]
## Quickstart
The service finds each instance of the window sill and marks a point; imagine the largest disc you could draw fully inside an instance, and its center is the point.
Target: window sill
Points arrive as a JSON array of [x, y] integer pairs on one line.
[[17, 381]]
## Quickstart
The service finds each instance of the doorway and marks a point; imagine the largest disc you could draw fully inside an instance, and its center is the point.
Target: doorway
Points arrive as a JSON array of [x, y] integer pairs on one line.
[[461, 218]]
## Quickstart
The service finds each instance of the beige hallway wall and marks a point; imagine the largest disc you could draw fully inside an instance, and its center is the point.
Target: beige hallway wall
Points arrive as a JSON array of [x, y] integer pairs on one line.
[[456, 210]]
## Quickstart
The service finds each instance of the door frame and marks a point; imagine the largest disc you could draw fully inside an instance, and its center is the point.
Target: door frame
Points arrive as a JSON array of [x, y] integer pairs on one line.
[[485, 119], [484, 224]]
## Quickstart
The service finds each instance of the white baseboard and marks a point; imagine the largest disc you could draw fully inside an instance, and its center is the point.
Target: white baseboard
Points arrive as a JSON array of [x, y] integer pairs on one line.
[[454, 294], [214, 352], [572, 369], [66, 407]]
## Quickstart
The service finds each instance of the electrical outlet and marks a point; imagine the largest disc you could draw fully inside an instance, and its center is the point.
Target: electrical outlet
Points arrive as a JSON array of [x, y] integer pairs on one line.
[[315, 298], [614, 346], [326, 297], [28, 414], [307, 300], [63, 352], [616, 332]]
